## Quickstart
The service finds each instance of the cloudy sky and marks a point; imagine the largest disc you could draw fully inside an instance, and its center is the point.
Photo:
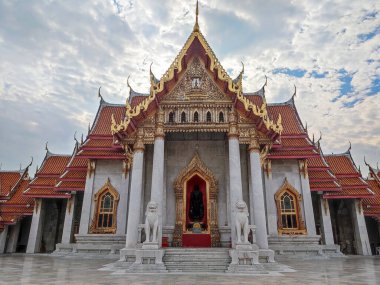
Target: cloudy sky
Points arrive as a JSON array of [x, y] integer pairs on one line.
[[54, 55]]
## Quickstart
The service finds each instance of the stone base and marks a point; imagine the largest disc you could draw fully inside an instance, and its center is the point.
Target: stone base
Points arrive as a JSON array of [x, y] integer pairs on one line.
[[92, 244], [266, 256], [244, 259], [150, 245], [302, 246], [141, 260], [148, 260]]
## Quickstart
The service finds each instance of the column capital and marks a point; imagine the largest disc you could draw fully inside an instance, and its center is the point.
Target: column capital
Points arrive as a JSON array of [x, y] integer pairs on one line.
[[254, 145], [233, 131], [159, 131], [139, 143]]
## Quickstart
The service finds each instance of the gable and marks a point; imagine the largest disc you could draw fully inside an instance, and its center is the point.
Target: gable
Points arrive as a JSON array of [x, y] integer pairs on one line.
[[196, 85]]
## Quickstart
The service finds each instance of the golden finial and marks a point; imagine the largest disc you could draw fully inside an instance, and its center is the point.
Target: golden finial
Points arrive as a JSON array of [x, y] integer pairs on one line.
[[196, 26]]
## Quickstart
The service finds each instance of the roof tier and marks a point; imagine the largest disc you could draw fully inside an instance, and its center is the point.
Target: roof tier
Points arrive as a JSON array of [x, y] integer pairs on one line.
[[42, 186], [353, 186]]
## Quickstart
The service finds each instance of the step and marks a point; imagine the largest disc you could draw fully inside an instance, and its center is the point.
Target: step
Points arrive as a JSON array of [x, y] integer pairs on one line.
[[197, 259]]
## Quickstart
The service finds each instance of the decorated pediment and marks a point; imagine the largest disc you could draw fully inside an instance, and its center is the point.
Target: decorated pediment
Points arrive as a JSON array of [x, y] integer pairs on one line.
[[195, 85]]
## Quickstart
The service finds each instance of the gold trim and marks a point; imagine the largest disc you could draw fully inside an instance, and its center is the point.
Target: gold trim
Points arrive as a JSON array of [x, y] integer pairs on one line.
[[196, 167], [300, 230], [215, 66], [303, 167], [107, 187]]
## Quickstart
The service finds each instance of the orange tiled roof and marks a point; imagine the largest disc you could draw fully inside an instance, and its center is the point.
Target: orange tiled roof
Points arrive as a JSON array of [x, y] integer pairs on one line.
[[137, 100], [348, 193], [78, 163], [42, 186], [317, 162], [353, 186], [70, 186], [74, 177], [283, 153], [53, 165], [321, 177], [296, 142], [110, 154], [342, 164], [7, 180], [290, 119], [373, 202], [98, 143], [77, 175], [325, 186], [102, 123], [16, 204], [255, 99]]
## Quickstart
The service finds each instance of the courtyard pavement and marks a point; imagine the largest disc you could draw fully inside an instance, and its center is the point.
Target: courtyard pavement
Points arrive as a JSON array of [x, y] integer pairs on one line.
[[46, 269]]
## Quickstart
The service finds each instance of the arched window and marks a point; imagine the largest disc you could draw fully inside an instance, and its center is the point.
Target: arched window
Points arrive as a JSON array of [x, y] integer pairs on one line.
[[196, 117], [105, 215], [171, 117], [289, 218], [208, 116], [106, 200], [288, 211], [183, 117], [221, 117]]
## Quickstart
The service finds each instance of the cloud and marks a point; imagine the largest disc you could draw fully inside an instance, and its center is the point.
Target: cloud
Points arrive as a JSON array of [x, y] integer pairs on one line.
[[55, 55]]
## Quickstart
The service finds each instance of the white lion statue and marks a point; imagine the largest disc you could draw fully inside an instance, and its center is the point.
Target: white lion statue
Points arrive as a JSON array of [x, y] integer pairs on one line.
[[151, 222], [241, 220]]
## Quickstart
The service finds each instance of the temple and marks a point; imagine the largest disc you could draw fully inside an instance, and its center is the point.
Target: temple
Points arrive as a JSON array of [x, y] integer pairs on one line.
[[195, 168]]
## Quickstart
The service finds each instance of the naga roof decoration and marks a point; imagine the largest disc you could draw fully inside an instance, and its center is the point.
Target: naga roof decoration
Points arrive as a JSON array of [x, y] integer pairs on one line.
[[213, 64]]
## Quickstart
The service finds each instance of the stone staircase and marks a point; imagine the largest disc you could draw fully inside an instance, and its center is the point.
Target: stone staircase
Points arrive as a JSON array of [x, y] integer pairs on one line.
[[196, 259]]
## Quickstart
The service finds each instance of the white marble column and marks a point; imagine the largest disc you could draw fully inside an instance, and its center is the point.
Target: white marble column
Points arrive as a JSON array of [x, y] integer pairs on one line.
[[236, 189], [85, 217], [3, 239], [13, 238], [35, 234], [135, 193], [257, 194], [156, 194], [306, 199], [325, 219], [122, 208], [360, 229], [69, 218]]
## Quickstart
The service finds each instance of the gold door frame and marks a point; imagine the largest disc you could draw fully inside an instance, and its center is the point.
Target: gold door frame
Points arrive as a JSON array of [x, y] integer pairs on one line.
[[196, 167]]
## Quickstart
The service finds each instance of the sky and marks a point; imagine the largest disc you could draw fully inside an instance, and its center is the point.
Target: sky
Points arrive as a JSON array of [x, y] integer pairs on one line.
[[54, 55]]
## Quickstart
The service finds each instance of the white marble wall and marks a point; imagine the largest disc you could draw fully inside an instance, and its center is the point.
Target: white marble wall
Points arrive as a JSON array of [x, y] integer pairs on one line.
[[112, 169], [360, 229], [34, 241], [290, 170], [325, 219], [3, 239], [214, 153], [68, 223], [13, 238]]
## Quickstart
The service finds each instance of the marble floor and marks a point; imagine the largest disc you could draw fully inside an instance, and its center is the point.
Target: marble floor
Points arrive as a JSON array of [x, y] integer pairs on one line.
[[46, 269]]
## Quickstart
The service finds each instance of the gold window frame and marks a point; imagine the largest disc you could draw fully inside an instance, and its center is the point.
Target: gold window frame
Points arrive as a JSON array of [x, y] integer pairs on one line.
[[106, 188], [297, 199]]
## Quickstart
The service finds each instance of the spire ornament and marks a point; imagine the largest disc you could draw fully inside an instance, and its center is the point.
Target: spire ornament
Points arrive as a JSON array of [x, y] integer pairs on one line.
[[196, 25]]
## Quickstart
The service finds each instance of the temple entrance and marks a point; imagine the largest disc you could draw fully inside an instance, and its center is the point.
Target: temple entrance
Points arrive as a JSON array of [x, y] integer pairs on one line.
[[196, 207], [196, 229]]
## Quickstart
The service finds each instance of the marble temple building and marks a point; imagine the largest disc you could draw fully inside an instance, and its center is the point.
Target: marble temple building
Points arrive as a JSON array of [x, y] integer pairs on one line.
[[194, 166]]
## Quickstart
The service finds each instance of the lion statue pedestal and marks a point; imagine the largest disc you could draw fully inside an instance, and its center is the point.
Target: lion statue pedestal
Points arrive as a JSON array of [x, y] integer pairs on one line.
[[245, 256], [149, 257]]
